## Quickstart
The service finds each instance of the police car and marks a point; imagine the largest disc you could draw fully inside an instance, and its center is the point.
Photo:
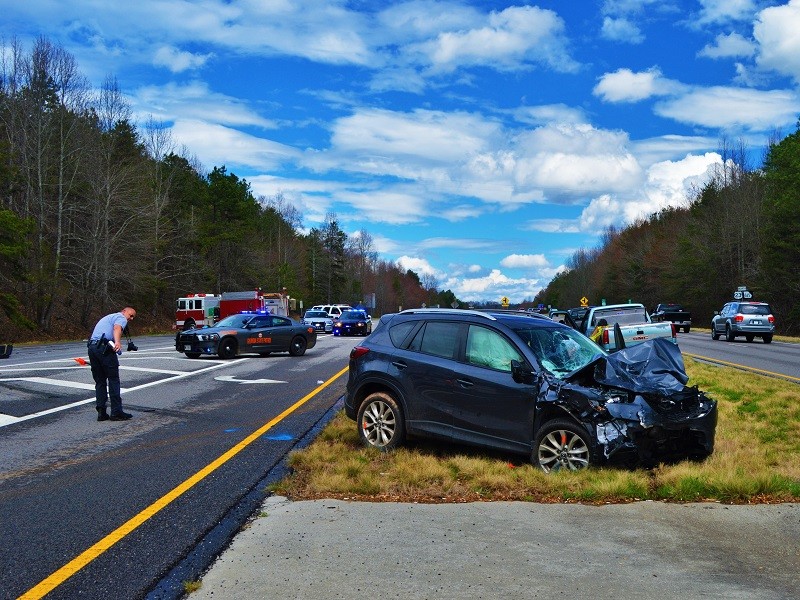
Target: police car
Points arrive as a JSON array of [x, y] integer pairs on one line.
[[247, 333]]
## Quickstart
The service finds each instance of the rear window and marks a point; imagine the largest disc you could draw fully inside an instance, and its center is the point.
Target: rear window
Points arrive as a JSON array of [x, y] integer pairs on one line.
[[623, 316], [755, 309], [437, 338]]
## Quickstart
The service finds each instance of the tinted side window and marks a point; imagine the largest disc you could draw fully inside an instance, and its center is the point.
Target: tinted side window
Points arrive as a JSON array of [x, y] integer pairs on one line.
[[487, 348], [280, 322], [439, 339], [399, 332]]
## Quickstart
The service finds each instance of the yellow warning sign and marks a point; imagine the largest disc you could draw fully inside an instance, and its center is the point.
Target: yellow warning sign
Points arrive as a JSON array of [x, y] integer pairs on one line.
[[584, 301]]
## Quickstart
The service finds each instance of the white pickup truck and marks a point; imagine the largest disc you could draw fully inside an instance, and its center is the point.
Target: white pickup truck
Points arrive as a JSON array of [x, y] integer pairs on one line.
[[631, 321]]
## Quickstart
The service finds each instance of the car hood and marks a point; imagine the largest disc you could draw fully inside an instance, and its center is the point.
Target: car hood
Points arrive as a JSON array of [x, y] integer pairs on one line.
[[652, 367]]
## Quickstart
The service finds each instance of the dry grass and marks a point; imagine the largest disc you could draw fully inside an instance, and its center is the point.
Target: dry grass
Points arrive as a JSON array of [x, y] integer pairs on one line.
[[756, 459]]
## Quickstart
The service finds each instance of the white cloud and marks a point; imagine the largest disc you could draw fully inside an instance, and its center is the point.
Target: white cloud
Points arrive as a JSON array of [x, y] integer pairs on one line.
[[420, 266], [570, 161], [668, 184], [194, 101], [178, 61], [552, 225], [727, 46], [493, 286], [775, 30], [623, 85], [621, 30], [511, 38], [725, 11], [729, 107], [218, 145], [524, 261]]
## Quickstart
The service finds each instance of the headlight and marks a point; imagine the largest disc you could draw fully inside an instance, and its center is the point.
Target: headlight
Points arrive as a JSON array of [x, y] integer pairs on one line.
[[208, 337]]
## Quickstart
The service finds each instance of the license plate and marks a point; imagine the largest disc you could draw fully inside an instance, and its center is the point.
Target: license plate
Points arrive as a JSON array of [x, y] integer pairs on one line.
[[187, 347], [756, 322]]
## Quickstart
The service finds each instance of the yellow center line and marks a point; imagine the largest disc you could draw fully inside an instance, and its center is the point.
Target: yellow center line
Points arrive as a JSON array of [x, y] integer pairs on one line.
[[738, 366], [76, 564]]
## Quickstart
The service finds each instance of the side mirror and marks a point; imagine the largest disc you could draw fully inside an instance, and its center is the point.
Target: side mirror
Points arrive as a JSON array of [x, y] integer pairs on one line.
[[521, 373]]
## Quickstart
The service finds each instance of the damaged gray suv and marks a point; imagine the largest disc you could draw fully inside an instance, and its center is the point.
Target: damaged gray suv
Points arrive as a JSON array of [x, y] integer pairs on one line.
[[522, 383]]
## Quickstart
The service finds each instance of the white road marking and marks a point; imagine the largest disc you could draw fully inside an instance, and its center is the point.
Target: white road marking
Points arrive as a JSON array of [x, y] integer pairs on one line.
[[233, 379], [6, 420], [56, 382]]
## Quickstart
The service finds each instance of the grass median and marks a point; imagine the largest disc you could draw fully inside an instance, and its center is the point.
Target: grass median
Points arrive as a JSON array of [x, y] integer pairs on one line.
[[756, 460]]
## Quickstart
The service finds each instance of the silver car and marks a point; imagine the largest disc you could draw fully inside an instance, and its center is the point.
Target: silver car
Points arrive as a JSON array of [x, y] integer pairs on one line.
[[320, 320], [748, 319]]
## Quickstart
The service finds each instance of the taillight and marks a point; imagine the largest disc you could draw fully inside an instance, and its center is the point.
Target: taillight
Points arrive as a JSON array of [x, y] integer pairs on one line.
[[771, 319], [738, 318], [358, 352], [674, 332], [605, 337]]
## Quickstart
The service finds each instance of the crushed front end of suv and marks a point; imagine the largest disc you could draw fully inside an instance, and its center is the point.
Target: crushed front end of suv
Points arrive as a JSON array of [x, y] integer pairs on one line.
[[523, 383]]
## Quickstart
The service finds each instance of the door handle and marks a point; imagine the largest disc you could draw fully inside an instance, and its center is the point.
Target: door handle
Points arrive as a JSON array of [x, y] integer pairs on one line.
[[465, 383], [399, 364]]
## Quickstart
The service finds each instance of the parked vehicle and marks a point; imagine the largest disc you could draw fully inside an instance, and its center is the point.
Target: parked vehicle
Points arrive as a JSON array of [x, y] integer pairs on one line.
[[245, 333], [353, 322], [523, 383], [747, 319], [675, 314], [618, 326], [334, 310], [320, 320]]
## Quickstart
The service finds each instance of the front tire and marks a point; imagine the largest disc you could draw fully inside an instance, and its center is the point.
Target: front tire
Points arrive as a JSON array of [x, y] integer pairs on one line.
[[298, 346], [562, 445], [714, 334], [729, 334], [227, 348], [380, 422]]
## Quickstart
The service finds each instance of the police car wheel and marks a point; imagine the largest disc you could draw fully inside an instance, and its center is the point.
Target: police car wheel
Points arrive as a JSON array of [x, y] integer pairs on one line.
[[192, 354], [227, 348], [298, 346]]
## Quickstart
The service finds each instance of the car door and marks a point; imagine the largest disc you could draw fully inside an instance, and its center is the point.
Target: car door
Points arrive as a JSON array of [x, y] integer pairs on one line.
[[424, 368], [490, 408]]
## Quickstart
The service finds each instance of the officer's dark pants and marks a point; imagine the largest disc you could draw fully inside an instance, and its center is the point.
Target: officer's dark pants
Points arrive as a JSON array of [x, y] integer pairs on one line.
[[105, 371]]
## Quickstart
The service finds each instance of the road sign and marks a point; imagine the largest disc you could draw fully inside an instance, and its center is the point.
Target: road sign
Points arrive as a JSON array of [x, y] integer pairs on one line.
[[584, 301], [504, 301]]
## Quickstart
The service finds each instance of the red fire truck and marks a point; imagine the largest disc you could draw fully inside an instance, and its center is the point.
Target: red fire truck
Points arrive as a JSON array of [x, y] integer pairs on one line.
[[232, 303], [197, 310], [204, 310]]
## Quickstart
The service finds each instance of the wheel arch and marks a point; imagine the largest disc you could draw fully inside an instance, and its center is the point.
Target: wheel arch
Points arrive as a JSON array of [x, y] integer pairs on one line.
[[372, 385]]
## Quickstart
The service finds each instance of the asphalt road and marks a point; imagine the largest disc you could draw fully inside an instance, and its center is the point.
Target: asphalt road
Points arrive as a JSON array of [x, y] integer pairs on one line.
[[107, 509], [105, 493], [781, 358]]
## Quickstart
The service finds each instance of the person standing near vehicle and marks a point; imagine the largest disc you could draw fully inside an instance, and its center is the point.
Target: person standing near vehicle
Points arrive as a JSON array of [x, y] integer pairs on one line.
[[104, 346]]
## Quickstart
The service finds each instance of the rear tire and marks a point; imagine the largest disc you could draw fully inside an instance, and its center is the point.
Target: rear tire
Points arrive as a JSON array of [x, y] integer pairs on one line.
[[767, 338], [188, 324], [298, 346], [380, 422], [562, 445], [714, 334]]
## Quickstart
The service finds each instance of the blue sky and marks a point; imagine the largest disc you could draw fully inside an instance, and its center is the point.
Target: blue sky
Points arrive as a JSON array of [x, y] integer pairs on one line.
[[479, 143]]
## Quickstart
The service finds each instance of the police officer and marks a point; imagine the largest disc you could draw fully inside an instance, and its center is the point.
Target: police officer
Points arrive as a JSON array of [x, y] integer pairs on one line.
[[104, 345]]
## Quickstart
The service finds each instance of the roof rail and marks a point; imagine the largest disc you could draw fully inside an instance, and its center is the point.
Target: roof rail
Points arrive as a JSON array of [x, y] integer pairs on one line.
[[448, 311]]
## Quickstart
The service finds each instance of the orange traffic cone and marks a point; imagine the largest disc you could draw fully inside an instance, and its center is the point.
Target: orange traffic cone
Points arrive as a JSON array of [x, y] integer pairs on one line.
[[80, 361]]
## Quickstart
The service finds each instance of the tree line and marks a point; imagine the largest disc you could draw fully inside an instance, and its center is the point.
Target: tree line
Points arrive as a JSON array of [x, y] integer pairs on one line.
[[742, 228], [97, 213]]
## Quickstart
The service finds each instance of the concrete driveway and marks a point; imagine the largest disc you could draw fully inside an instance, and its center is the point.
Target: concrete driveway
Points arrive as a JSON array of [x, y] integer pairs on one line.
[[647, 550]]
